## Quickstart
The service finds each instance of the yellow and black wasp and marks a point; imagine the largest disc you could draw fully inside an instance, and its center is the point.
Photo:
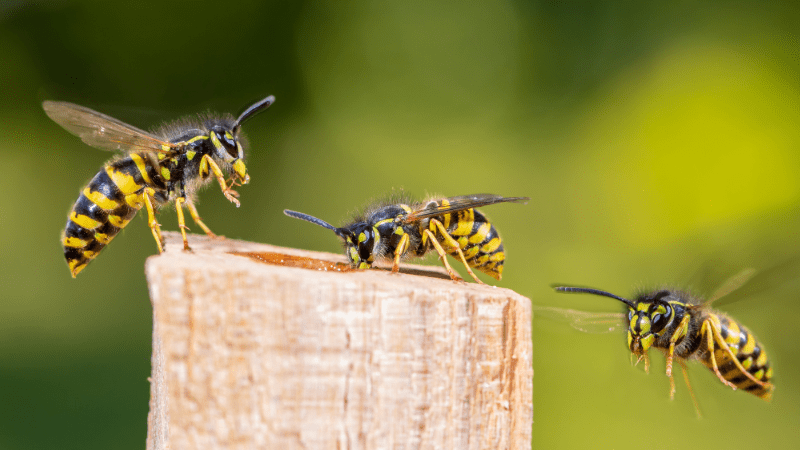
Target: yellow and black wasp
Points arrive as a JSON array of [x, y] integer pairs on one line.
[[449, 225], [166, 166], [684, 327]]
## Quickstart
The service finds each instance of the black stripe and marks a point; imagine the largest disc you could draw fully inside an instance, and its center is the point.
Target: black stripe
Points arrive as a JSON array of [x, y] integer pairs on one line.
[[738, 380], [77, 231], [108, 229], [742, 337], [727, 367], [124, 211], [94, 246], [88, 208], [103, 184], [753, 387], [73, 253]]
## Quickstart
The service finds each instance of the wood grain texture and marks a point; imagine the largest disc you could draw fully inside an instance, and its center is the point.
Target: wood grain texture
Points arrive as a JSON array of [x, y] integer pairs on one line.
[[251, 355]]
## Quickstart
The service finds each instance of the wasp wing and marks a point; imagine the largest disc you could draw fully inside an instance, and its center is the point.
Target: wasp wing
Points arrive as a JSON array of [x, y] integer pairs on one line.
[[101, 131], [587, 322], [460, 203]]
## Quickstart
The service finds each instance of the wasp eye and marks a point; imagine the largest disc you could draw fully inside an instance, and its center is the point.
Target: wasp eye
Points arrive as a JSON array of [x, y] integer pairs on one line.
[[659, 320]]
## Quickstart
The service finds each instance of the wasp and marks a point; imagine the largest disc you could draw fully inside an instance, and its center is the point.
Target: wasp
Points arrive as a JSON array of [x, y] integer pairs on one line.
[[685, 327], [449, 225], [157, 168]]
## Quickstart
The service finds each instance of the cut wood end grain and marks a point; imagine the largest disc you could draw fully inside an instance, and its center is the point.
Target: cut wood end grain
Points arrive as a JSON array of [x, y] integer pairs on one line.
[[252, 354]]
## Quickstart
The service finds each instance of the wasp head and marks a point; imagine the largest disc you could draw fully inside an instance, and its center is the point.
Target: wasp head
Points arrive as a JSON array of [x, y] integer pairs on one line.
[[361, 241], [228, 146], [648, 318]]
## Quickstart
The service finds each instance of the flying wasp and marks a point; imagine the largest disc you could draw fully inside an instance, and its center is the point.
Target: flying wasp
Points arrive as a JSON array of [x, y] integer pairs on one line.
[[684, 327], [450, 226], [157, 168]]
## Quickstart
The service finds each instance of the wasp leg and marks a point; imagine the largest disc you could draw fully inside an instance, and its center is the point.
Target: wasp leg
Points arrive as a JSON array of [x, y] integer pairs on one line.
[[680, 332], [735, 360], [182, 221], [454, 244], [207, 163], [712, 333], [401, 248], [196, 218], [155, 228], [443, 255], [689, 385]]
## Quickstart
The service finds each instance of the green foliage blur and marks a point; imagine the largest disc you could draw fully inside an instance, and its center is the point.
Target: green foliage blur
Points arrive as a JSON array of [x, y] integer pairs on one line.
[[658, 145]]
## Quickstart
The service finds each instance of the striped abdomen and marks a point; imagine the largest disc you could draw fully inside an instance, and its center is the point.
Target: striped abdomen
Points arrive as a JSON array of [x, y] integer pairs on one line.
[[477, 239], [748, 352], [105, 206]]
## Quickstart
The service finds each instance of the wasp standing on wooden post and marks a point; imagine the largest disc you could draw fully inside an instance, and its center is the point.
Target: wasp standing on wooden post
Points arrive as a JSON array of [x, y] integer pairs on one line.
[[450, 225], [162, 167], [684, 327]]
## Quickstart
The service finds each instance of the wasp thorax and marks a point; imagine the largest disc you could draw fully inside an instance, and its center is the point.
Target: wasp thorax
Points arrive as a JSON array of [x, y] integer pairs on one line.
[[361, 241]]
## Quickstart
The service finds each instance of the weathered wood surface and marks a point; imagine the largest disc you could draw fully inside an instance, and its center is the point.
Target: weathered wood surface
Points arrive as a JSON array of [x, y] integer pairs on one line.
[[249, 355]]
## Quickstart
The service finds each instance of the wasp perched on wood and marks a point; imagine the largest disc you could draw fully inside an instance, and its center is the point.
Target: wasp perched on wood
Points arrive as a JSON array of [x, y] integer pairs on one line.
[[450, 225], [684, 327], [166, 166]]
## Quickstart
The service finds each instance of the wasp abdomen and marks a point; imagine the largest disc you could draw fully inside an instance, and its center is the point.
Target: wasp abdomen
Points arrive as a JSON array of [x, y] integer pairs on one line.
[[478, 240], [105, 206], [749, 353]]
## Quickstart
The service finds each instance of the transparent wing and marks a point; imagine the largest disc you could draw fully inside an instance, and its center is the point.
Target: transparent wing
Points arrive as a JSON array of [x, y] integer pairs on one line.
[[587, 322], [101, 131], [461, 203], [749, 281], [732, 284]]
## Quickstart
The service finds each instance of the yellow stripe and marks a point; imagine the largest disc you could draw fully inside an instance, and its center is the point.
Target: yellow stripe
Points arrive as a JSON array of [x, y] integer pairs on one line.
[[197, 138], [100, 200], [465, 219], [762, 359], [84, 221], [747, 363], [215, 141], [733, 334], [493, 245], [74, 242], [117, 221], [76, 265], [102, 238], [768, 375], [190, 155], [481, 234], [471, 252], [480, 261], [759, 374], [124, 182], [499, 256], [749, 346], [165, 173], [142, 167], [383, 222], [135, 201]]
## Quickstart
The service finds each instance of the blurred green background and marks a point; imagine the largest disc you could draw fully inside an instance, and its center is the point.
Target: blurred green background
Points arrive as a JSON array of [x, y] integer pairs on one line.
[[656, 143]]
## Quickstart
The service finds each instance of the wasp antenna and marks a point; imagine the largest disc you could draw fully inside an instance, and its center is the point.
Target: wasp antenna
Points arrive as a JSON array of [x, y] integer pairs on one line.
[[314, 220], [580, 290], [254, 109]]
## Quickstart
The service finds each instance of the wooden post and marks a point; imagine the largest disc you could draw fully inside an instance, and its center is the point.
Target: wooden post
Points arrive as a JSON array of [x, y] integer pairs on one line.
[[259, 347]]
